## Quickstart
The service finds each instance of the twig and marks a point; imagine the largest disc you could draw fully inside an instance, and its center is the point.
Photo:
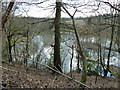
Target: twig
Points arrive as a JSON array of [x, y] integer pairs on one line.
[[60, 73], [65, 75]]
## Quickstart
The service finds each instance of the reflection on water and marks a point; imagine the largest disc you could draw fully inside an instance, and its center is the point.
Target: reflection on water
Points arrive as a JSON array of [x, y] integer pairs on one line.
[[41, 46]]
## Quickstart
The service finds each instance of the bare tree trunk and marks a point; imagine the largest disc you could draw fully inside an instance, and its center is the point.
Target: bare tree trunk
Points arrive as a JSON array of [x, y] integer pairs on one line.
[[119, 31], [108, 62], [101, 61], [57, 59], [78, 66], [10, 48], [71, 60], [4, 20], [36, 66], [5, 16], [14, 47], [119, 38], [97, 65], [37, 60], [26, 54], [84, 67]]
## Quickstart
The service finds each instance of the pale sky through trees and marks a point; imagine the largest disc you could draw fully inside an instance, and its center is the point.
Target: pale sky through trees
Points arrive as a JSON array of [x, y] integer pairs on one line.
[[46, 9]]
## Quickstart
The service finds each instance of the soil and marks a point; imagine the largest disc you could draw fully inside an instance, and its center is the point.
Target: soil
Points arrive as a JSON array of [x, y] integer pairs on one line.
[[18, 76]]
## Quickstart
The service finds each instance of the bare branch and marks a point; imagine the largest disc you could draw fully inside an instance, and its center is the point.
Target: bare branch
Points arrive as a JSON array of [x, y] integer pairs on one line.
[[108, 3]]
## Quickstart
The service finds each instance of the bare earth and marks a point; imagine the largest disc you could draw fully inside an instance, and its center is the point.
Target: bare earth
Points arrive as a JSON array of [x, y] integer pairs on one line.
[[16, 76]]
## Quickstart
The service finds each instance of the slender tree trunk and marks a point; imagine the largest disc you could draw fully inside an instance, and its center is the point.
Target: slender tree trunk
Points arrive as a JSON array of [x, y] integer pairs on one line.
[[101, 58], [84, 67], [57, 59], [33, 61], [71, 59], [9, 48], [119, 39], [26, 54], [108, 62], [37, 58], [119, 31], [37, 63], [14, 47], [101, 61], [78, 66], [97, 65]]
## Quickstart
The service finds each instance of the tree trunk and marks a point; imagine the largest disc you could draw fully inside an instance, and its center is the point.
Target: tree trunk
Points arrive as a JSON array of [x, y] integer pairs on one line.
[[5, 16], [37, 60], [84, 67], [14, 47], [36, 66], [78, 66], [26, 54], [119, 39], [119, 31], [108, 62], [71, 59], [101, 61], [97, 64], [9, 48], [4, 20], [57, 59]]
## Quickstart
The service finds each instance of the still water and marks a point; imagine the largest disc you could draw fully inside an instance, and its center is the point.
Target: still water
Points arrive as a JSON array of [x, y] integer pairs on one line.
[[41, 48]]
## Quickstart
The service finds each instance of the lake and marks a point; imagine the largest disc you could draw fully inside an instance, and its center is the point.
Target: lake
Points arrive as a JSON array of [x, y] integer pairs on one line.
[[41, 48]]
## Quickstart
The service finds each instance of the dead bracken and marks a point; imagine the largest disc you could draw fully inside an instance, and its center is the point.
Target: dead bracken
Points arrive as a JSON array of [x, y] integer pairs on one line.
[[16, 76]]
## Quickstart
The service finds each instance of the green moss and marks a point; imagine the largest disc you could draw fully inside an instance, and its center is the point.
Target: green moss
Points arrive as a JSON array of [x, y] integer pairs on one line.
[[68, 30], [115, 71]]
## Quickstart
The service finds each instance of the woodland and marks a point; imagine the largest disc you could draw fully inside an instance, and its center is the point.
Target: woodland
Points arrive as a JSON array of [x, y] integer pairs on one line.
[[74, 45]]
